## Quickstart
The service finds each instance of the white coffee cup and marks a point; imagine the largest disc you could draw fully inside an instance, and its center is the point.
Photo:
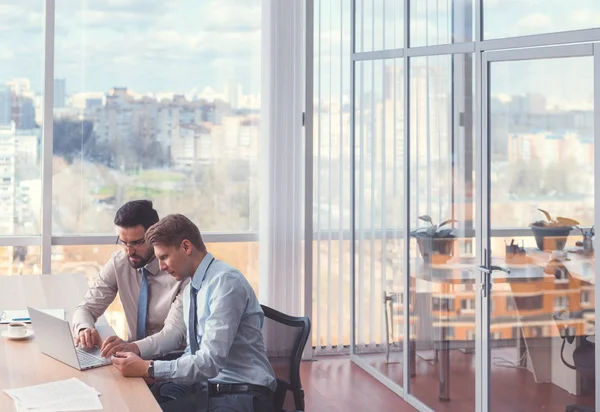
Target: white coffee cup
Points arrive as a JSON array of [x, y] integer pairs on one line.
[[17, 329]]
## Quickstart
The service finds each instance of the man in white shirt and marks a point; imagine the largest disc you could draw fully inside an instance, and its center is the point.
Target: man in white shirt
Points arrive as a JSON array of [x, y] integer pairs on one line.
[[222, 320]]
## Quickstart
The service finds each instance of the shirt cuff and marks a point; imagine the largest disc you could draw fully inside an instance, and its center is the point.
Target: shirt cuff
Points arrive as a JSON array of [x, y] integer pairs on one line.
[[146, 348], [82, 319], [82, 325], [164, 369]]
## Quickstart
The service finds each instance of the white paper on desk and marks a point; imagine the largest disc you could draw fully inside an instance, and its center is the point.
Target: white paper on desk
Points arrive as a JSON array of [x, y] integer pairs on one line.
[[8, 315], [88, 403], [48, 394]]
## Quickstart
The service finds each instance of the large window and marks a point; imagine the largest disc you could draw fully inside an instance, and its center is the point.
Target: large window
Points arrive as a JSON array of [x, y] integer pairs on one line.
[[497, 104], [151, 102], [331, 168], [21, 75], [155, 100]]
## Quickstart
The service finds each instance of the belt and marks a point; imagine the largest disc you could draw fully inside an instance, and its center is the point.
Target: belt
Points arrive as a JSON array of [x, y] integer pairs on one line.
[[232, 388]]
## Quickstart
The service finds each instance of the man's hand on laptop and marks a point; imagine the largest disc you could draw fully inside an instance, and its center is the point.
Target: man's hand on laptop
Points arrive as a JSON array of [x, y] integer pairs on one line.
[[130, 364], [88, 338], [115, 344]]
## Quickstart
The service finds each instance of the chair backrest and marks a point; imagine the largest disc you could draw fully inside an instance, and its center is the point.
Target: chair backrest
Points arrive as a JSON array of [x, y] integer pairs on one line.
[[285, 338]]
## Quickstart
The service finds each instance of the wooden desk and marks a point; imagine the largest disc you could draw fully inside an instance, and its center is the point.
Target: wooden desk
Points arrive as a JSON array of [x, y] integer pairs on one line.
[[22, 363]]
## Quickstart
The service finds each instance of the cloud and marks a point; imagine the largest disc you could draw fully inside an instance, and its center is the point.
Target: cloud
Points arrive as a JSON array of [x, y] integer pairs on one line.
[[17, 18], [534, 23], [114, 15], [223, 15], [6, 54], [148, 45], [584, 18]]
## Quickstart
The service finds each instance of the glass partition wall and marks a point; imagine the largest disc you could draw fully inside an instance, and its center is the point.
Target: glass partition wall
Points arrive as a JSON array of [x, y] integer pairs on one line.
[[473, 201]]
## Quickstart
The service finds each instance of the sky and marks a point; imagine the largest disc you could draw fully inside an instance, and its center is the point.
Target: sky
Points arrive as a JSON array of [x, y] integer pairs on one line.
[[146, 45], [154, 46]]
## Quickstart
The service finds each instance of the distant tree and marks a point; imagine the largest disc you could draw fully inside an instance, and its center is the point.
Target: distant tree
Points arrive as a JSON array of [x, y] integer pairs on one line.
[[155, 155], [75, 138], [527, 178], [96, 151], [70, 136]]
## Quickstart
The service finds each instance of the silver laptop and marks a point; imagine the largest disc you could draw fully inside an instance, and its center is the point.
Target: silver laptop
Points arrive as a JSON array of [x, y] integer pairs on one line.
[[54, 339]]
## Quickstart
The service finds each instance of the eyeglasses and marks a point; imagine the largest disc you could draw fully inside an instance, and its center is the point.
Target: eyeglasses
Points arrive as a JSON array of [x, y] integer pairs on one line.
[[133, 245]]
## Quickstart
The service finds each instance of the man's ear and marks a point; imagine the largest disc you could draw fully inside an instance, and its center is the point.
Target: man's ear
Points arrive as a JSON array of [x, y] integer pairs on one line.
[[186, 245]]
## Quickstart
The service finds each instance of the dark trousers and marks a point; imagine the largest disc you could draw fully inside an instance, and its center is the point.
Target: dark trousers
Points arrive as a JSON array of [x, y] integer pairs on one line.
[[197, 399]]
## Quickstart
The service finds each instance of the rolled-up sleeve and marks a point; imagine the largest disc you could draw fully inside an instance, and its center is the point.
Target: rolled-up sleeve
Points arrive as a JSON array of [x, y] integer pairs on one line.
[[170, 338], [226, 300], [98, 297]]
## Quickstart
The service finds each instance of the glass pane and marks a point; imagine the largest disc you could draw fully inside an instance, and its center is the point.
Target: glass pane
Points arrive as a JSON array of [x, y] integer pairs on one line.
[[435, 22], [21, 74], [153, 103], [520, 18], [365, 34], [379, 210], [542, 142], [393, 24], [20, 260], [331, 323], [379, 24], [88, 260], [442, 294]]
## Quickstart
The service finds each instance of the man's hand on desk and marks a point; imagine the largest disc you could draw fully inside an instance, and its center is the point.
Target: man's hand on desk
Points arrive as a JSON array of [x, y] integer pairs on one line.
[[115, 344], [88, 338], [130, 364]]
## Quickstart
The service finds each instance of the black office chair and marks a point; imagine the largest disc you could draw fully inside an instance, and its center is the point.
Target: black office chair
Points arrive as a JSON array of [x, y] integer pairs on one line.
[[285, 339], [583, 356]]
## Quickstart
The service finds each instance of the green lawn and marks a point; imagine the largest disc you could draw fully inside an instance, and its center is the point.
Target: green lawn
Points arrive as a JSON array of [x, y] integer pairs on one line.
[[160, 176], [136, 192]]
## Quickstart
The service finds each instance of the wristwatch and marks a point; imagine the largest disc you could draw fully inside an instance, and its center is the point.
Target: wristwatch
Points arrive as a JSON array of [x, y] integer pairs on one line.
[[151, 369]]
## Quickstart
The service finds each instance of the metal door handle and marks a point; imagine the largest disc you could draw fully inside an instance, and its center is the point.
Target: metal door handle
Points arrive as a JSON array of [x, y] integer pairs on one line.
[[484, 269], [492, 268], [500, 269]]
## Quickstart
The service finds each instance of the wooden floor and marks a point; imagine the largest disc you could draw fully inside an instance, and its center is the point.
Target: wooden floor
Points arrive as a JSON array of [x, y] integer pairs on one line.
[[335, 384], [512, 389]]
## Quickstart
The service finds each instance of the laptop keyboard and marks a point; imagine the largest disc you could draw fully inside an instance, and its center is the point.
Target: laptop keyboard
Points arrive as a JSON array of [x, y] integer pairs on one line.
[[86, 360]]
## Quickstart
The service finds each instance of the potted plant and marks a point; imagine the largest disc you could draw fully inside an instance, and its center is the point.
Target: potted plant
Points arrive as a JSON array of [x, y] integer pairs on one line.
[[552, 234], [436, 243]]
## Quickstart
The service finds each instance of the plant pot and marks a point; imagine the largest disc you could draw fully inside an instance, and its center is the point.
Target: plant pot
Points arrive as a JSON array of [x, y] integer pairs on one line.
[[437, 250], [551, 238]]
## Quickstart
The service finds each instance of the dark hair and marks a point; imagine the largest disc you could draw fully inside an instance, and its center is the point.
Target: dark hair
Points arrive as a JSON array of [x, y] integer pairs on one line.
[[136, 212], [171, 230]]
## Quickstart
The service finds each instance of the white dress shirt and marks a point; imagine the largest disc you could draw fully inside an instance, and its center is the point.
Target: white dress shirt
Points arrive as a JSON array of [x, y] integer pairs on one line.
[[229, 332]]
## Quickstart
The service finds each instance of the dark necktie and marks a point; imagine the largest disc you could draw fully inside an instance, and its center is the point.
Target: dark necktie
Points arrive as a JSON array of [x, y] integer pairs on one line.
[[142, 307], [193, 321]]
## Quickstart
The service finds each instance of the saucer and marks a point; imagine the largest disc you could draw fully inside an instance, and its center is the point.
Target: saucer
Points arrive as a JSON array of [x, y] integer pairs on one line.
[[27, 336]]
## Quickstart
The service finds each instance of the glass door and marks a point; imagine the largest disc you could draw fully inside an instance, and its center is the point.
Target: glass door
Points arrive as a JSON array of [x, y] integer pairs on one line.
[[442, 237], [537, 272]]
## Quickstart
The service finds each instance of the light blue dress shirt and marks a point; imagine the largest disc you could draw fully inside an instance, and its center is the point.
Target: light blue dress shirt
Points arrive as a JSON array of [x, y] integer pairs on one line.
[[230, 320]]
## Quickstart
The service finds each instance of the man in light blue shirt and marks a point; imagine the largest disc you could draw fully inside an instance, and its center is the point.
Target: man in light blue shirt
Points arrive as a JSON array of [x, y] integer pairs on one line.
[[220, 318]]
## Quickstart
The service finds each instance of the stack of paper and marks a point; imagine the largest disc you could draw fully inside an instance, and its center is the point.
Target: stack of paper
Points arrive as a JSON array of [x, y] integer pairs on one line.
[[67, 395]]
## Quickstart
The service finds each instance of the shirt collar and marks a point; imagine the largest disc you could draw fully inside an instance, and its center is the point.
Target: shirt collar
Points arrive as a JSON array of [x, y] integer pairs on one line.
[[152, 266], [201, 271]]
